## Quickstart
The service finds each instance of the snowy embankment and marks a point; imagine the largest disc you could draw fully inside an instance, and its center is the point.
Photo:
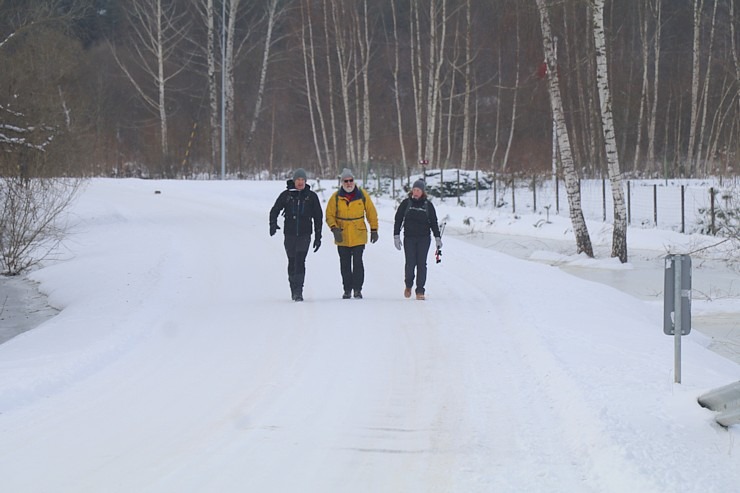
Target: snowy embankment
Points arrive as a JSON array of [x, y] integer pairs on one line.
[[179, 363]]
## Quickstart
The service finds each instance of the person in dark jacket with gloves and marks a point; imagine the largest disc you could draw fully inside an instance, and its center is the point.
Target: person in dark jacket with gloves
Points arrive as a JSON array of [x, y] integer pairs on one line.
[[417, 216], [303, 213]]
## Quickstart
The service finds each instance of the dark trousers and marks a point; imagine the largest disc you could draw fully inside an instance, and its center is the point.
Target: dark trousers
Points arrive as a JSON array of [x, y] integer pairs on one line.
[[296, 247], [416, 249], [351, 266]]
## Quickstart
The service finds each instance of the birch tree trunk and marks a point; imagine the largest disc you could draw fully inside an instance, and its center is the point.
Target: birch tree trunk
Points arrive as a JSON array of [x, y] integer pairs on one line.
[[652, 121], [464, 158], [583, 240], [512, 126], [312, 94], [272, 16], [397, 88], [644, 90], [213, 113], [343, 54], [365, 50], [700, 142], [416, 76], [695, 75], [333, 157], [228, 68], [435, 62], [497, 122], [156, 34], [619, 237]]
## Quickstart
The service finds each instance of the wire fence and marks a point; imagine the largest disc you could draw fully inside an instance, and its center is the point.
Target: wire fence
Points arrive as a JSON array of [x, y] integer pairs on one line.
[[688, 206]]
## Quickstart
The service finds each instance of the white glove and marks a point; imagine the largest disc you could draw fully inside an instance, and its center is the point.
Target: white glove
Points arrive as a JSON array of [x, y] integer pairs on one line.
[[439, 242], [397, 241]]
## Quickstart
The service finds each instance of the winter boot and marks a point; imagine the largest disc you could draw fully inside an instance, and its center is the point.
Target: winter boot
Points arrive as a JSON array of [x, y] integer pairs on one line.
[[347, 295], [420, 296], [407, 293], [298, 295], [358, 294]]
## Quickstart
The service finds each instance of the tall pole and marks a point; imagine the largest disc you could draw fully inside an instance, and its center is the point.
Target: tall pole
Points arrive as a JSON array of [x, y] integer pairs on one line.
[[555, 133], [223, 89], [677, 316]]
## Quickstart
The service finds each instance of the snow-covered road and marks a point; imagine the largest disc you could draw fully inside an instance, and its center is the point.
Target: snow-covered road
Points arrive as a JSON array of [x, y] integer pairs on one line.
[[180, 364]]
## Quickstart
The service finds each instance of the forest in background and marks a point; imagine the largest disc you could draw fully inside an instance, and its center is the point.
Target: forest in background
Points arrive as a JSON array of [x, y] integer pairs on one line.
[[145, 87]]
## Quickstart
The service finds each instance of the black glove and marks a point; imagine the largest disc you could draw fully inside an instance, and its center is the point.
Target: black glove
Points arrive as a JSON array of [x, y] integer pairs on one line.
[[337, 234], [373, 235], [316, 244], [273, 228]]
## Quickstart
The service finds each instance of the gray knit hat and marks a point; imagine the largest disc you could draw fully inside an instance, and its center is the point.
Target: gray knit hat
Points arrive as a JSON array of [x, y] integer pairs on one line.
[[419, 184], [299, 173], [346, 173]]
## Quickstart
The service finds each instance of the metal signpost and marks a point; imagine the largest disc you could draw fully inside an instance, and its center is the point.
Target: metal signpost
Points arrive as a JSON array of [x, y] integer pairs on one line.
[[677, 304]]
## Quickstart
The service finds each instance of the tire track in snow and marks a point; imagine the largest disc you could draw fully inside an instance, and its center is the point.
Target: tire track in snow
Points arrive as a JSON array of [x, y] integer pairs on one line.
[[546, 405]]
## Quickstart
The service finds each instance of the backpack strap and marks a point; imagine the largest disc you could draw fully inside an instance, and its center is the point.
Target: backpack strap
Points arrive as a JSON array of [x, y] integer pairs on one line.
[[426, 211]]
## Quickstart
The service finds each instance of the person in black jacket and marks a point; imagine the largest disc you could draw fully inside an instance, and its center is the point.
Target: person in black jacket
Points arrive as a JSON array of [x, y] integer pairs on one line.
[[418, 217], [303, 213]]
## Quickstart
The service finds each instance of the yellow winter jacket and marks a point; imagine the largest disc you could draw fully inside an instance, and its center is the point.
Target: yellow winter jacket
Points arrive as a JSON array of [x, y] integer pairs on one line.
[[348, 212]]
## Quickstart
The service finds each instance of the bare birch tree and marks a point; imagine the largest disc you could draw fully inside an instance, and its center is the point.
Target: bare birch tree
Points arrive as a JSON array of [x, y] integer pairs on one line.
[[308, 53], [397, 88], [158, 28], [467, 119], [515, 96], [273, 16], [653, 119], [695, 79], [700, 141], [619, 236], [572, 186]]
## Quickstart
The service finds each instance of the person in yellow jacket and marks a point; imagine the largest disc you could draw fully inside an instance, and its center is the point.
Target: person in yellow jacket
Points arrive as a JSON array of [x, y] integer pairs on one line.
[[347, 211]]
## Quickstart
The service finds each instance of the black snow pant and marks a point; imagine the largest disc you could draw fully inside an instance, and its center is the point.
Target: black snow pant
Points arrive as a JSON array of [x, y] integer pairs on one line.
[[351, 267], [416, 249], [296, 247]]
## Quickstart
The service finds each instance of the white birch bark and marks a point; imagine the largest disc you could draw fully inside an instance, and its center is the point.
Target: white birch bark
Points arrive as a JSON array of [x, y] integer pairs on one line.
[[309, 72], [645, 52], [497, 123], [333, 157], [464, 158], [434, 62], [397, 88], [228, 67], [157, 30], [272, 16], [583, 240], [515, 97], [653, 119], [695, 76], [619, 237], [213, 107], [366, 49], [416, 76], [700, 141], [343, 54]]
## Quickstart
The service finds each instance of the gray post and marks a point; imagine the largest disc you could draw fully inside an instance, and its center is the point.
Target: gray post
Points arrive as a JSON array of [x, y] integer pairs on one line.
[[677, 327], [677, 303]]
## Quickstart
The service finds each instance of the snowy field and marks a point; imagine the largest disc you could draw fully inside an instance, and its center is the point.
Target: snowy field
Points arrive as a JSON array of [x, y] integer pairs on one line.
[[178, 363]]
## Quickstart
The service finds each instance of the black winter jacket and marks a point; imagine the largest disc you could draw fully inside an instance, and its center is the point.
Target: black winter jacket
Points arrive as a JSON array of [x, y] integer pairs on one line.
[[417, 217], [299, 208]]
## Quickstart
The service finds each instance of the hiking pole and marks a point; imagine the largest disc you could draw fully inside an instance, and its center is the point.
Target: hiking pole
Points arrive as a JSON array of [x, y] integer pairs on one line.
[[438, 251]]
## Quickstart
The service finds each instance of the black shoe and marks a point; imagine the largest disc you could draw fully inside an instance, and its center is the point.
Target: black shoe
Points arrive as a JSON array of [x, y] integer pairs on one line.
[[358, 294], [347, 295], [298, 297]]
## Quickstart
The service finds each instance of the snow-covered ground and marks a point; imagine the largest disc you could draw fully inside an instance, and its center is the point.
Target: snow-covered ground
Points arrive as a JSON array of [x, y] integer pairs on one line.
[[178, 363]]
